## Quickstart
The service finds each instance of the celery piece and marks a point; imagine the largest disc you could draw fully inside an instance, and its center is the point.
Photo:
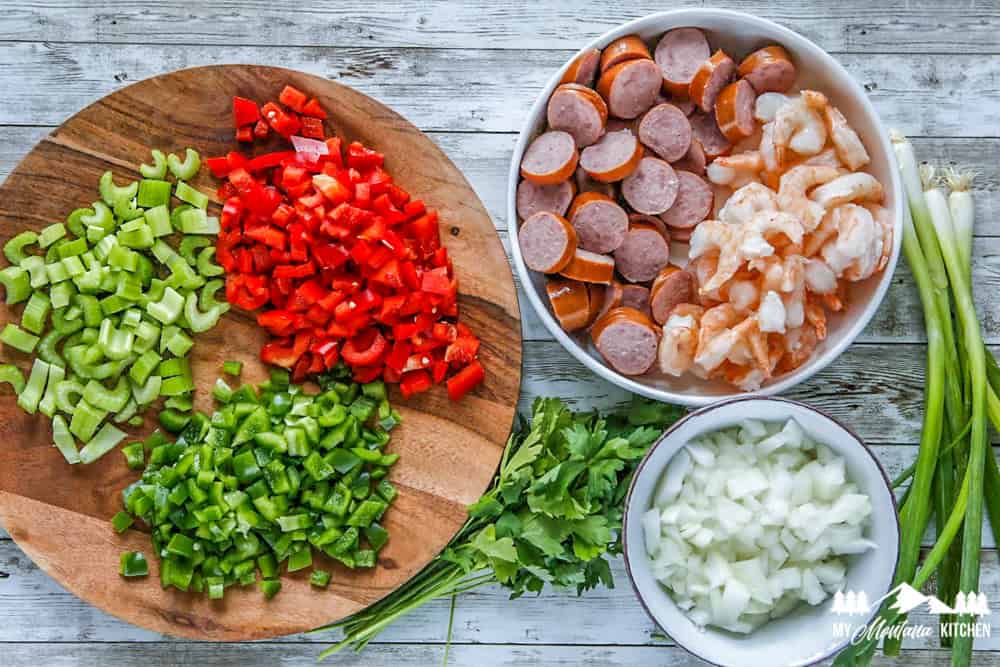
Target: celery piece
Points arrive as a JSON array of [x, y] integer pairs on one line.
[[190, 244], [29, 398], [109, 400], [158, 219], [64, 441], [12, 375], [51, 234], [36, 313], [15, 284], [141, 236], [114, 194], [194, 221], [86, 419], [102, 218], [179, 344], [18, 338], [56, 272], [206, 266], [153, 192], [198, 320], [74, 221], [167, 309], [35, 266], [13, 250], [156, 170], [186, 193], [187, 169], [47, 406], [73, 248], [62, 294], [105, 440], [68, 394], [144, 367], [126, 413], [131, 318], [177, 385], [145, 394]]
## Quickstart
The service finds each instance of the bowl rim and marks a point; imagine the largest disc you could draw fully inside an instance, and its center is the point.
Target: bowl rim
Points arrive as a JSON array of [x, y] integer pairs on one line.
[[692, 17], [727, 404]]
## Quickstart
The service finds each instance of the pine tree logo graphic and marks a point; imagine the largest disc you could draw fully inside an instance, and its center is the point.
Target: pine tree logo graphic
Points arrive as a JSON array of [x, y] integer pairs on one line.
[[906, 599]]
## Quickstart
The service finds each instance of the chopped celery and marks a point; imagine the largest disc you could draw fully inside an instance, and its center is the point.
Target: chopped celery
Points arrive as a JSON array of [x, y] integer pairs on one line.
[[198, 320], [13, 250], [15, 283], [156, 170], [51, 234], [47, 406], [12, 375], [153, 192], [158, 219], [168, 308], [233, 368], [18, 338], [31, 395], [36, 312], [186, 193], [86, 419], [64, 441], [105, 440], [188, 168], [114, 194]]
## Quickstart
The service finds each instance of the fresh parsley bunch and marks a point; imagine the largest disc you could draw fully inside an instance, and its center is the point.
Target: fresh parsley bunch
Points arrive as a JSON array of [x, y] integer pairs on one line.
[[552, 513]]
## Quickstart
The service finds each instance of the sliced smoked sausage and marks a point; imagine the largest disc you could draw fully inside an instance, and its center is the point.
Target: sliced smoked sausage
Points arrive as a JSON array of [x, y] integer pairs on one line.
[[612, 298], [570, 302], [652, 187], [679, 53], [583, 69], [706, 131], [589, 267], [583, 198], [547, 242], [600, 223], [613, 157], [533, 198], [584, 183], [734, 111], [636, 296], [550, 158], [693, 204], [642, 254], [710, 79], [672, 287], [665, 130], [768, 70], [627, 340], [629, 47], [595, 293], [578, 110], [630, 87], [694, 160]]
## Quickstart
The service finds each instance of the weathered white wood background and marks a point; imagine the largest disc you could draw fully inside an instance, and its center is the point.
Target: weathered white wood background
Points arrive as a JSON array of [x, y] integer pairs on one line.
[[467, 71]]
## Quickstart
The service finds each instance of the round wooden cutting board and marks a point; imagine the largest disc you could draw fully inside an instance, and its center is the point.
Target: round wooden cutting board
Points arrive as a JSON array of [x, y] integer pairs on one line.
[[58, 514]]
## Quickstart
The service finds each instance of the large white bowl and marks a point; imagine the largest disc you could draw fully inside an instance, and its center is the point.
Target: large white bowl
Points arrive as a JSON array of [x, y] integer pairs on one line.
[[808, 634], [738, 34]]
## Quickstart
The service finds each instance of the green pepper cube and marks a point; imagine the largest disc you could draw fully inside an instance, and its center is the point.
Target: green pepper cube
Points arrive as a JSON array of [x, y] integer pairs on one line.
[[133, 564], [269, 587], [320, 578], [121, 521]]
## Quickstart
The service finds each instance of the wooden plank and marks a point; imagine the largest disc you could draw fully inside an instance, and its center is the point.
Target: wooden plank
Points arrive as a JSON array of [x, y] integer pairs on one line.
[[920, 94], [380, 655], [895, 26], [36, 607]]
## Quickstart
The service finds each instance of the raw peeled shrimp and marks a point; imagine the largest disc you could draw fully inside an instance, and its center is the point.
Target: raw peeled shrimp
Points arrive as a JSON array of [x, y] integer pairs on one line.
[[856, 250], [855, 187], [820, 278], [767, 105], [881, 215], [771, 314], [737, 243], [735, 170], [793, 190], [768, 151], [798, 125], [746, 201], [714, 336], [816, 316], [743, 294], [825, 158], [680, 339], [849, 147], [786, 278], [749, 346], [800, 343]]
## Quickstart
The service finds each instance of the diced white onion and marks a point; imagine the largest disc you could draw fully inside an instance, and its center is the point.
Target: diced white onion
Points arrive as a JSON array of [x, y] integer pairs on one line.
[[750, 521]]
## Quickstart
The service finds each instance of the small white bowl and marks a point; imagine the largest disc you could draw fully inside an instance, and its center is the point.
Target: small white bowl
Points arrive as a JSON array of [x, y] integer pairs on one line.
[[738, 34], [808, 634]]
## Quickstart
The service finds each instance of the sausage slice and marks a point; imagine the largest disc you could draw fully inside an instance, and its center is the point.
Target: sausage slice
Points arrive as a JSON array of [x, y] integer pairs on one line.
[[652, 187], [547, 242], [613, 157], [768, 70], [589, 267], [600, 223], [636, 296], [630, 87], [595, 293], [734, 111], [570, 302], [706, 131], [694, 160], [710, 79], [672, 287], [665, 130], [643, 253], [627, 340], [584, 183], [583, 69], [613, 294], [578, 110], [693, 204], [629, 47], [551, 158], [679, 54], [533, 198]]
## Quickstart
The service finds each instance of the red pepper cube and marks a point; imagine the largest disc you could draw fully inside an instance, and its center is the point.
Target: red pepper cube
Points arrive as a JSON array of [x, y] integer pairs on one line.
[[312, 127], [245, 134], [261, 129], [414, 382], [465, 380], [293, 98], [245, 112], [314, 109], [331, 188]]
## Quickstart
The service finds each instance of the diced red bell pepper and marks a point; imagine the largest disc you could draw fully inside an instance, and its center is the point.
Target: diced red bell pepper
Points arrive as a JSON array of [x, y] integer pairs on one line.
[[261, 130], [268, 160], [278, 322], [463, 350], [414, 382], [245, 112], [285, 355], [465, 380], [365, 350], [293, 98], [245, 134], [314, 109], [218, 165], [436, 281], [332, 189], [361, 157], [312, 127], [283, 122]]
